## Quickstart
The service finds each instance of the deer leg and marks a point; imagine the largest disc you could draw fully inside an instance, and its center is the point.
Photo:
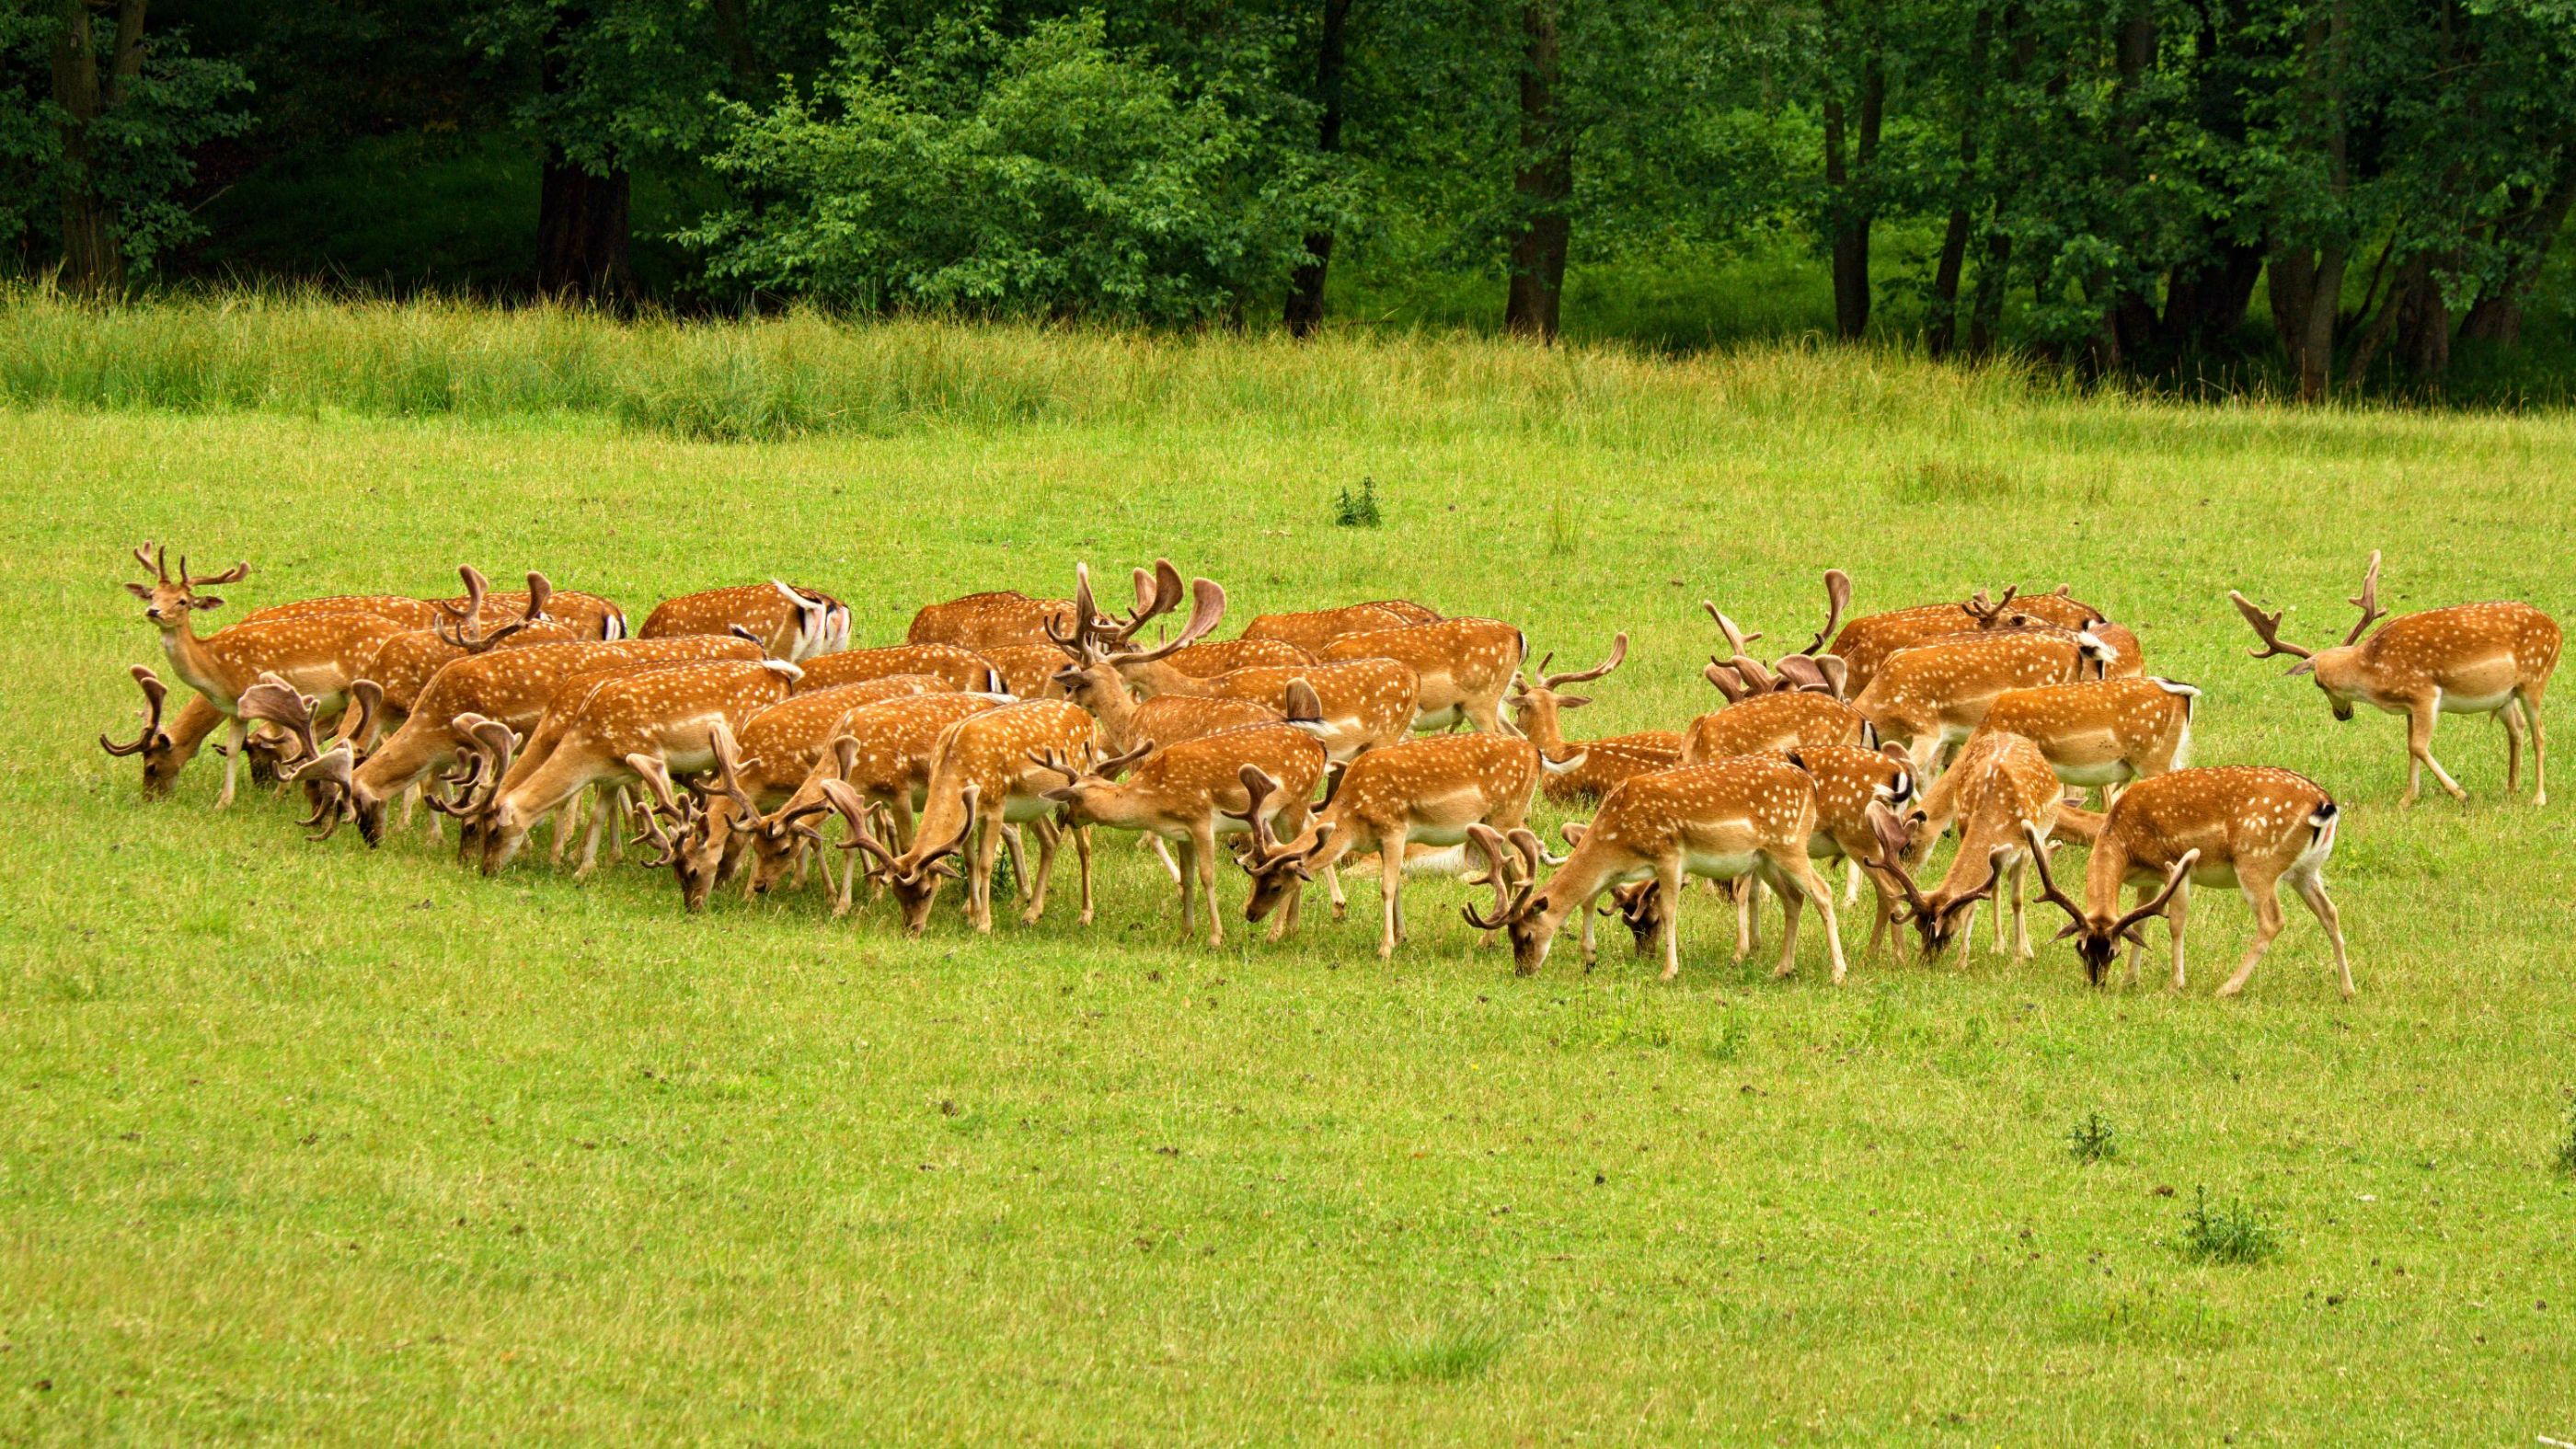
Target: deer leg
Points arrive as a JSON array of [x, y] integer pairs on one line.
[[1669, 879], [1390, 894], [988, 850], [2511, 718], [232, 762], [1590, 950], [600, 810], [2020, 909], [2312, 889], [1968, 934], [2178, 911], [2530, 702], [2421, 716], [1203, 847], [1163, 853], [1333, 889], [1851, 881], [1082, 858], [1189, 883], [2265, 897], [563, 822], [1748, 925], [1049, 838]]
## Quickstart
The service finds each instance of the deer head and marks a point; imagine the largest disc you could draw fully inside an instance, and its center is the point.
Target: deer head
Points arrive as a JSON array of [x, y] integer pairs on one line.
[[167, 602], [1511, 868], [2098, 936], [914, 885], [160, 752], [2337, 670]]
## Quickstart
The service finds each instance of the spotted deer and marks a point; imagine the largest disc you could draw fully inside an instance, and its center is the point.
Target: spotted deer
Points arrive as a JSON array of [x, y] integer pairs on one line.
[[640, 728], [1191, 793], [790, 623], [2004, 795], [1027, 670], [962, 669], [2251, 827], [1462, 667], [883, 755], [406, 662], [2493, 658], [981, 778], [1932, 696], [1424, 792], [1216, 656], [2105, 732], [316, 654], [1538, 714], [1750, 815], [1315, 628], [1002, 619], [1773, 722]]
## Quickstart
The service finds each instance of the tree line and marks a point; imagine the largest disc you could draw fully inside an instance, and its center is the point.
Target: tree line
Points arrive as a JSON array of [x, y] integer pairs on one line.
[[2111, 184]]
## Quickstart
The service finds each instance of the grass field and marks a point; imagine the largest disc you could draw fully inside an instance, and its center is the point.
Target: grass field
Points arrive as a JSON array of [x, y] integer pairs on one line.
[[304, 1142]]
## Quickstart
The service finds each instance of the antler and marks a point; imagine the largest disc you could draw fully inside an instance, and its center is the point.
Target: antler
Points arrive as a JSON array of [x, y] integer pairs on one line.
[[1889, 834], [1207, 610], [1618, 656], [2267, 627], [1736, 638], [154, 691], [729, 769], [2128, 925], [853, 810], [275, 701], [1257, 787], [1727, 681], [2367, 601], [1511, 892], [2048, 889], [234, 574], [1837, 599]]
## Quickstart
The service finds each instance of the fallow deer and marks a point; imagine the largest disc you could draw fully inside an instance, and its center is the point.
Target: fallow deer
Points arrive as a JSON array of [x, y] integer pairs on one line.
[[1932, 696], [1407, 610], [1315, 628], [1027, 670], [645, 728], [2251, 827], [317, 654], [2004, 795], [1421, 792], [883, 755], [1738, 675], [1538, 712], [1002, 619], [1192, 792], [791, 623], [1750, 815], [2104, 732], [981, 778], [961, 669], [1216, 656], [1773, 722], [510, 687], [1865, 644], [2493, 658], [406, 662], [1463, 667]]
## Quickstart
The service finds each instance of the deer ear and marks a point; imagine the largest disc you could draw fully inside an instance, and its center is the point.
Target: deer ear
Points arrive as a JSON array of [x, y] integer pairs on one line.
[[140, 591], [2304, 666], [1572, 701], [204, 601], [2070, 929]]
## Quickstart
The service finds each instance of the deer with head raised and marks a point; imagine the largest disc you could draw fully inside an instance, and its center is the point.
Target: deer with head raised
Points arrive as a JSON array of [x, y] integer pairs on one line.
[[1425, 792], [2493, 658], [788, 622], [1754, 814], [319, 654], [2251, 827], [1191, 793], [1588, 768]]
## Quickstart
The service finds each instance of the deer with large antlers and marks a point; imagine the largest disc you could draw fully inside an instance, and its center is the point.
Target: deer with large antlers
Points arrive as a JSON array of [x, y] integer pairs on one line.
[[407, 662], [1751, 815], [982, 777], [508, 687], [1738, 675], [1425, 792], [1932, 697], [2105, 732], [1193, 792], [1462, 667], [319, 654], [1001, 619], [883, 755], [788, 622], [1590, 767], [2251, 827], [2493, 658], [639, 728], [961, 669], [2005, 796]]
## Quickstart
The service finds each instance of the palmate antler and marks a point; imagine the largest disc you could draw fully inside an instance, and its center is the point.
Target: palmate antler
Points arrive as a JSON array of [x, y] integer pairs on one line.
[[2267, 627], [1618, 656], [1837, 599], [2126, 926], [1511, 868], [154, 692]]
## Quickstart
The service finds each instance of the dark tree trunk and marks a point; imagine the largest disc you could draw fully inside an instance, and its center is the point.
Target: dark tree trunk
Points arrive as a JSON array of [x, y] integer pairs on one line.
[[2424, 325], [1941, 330], [1986, 308], [583, 229], [2204, 304], [2131, 331], [93, 262], [1849, 217], [2316, 342], [1305, 310], [1545, 183], [2497, 315]]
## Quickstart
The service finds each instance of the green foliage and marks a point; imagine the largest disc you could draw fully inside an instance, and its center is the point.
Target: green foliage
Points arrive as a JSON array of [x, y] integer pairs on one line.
[[1427, 1356], [1080, 180], [1357, 510], [2092, 1139], [2230, 1232]]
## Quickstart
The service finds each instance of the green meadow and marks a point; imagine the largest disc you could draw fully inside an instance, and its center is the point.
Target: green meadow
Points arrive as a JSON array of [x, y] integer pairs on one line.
[[308, 1142]]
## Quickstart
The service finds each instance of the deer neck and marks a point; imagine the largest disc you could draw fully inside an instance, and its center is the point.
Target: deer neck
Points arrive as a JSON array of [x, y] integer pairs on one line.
[[1156, 676], [1116, 710], [196, 665], [1544, 729], [2340, 670]]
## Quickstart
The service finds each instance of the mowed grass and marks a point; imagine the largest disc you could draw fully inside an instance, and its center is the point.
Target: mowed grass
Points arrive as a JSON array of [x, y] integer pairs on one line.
[[311, 1142]]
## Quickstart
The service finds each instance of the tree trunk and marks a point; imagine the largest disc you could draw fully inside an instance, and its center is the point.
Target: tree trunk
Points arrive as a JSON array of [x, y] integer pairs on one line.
[[1850, 218], [2316, 342], [1305, 310], [93, 262], [1544, 183], [582, 234], [2497, 315], [1986, 308]]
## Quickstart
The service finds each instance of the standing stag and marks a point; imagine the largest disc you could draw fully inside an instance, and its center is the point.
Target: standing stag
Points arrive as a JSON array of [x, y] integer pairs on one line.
[[2467, 659], [1586, 770]]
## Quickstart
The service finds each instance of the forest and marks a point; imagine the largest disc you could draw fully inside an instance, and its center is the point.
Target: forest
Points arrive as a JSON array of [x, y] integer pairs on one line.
[[2330, 195]]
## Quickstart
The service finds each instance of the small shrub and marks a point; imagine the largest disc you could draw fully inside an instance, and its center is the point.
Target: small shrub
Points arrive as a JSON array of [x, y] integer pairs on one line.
[[1443, 1355], [2093, 1140], [2228, 1233], [1358, 510]]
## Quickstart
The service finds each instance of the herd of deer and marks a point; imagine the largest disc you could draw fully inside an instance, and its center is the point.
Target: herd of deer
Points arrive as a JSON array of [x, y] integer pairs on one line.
[[734, 725]]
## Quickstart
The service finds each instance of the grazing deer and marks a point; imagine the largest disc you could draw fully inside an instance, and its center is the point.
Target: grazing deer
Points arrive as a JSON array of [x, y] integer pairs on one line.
[[1594, 765], [1773, 722], [2005, 796], [2467, 659], [883, 754], [319, 654], [982, 777], [1194, 791], [1420, 792], [1314, 629], [1362, 703], [2100, 732], [1463, 667], [642, 727], [406, 662], [1750, 815], [1934, 695], [961, 669], [790, 623], [2251, 827], [509, 687], [1002, 619], [1866, 643]]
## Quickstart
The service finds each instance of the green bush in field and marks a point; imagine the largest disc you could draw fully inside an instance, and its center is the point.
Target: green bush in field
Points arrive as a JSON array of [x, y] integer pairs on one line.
[[1077, 181], [2228, 1233]]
